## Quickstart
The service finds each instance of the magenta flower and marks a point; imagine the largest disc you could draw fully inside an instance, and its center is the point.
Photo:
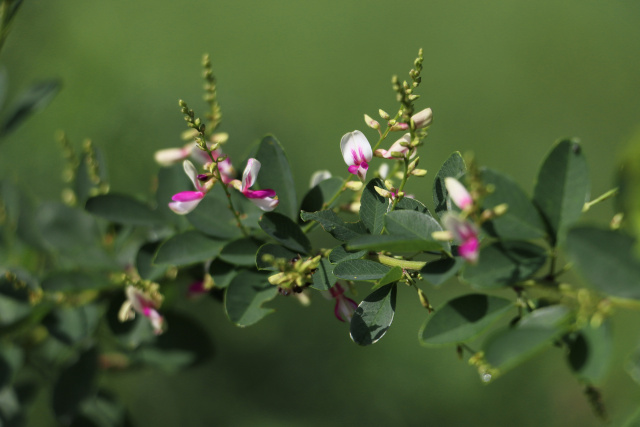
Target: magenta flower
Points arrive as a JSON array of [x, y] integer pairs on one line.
[[138, 302], [356, 152], [345, 306], [186, 201], [458, 193], [464, 232], [264, 199], [397, 147]]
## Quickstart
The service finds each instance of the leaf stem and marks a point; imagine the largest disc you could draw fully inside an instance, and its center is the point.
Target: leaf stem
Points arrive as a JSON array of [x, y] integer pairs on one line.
[[394, 262], [609, 194]]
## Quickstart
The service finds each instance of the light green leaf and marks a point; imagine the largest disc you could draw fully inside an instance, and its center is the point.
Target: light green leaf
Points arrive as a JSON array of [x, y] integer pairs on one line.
[[245, 295], [590, 352], [31, 101], [275, 174], [409, 204], [392, 276], [360, 269], [374, 316], [285, 231], [416, 225], [453, 167], [187, 248]]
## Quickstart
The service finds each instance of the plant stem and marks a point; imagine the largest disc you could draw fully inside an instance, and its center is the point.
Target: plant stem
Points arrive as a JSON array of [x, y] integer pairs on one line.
[[609, 194], [394, 262]]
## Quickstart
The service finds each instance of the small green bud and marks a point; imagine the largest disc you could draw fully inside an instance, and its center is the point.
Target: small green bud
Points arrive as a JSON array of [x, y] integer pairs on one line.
[[419, 172], [371, 123], [384, 115]]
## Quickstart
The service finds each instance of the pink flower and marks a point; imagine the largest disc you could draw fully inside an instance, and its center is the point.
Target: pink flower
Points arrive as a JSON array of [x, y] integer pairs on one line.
[[397, 147], [138, 302], [356, 152], [264, 199], [169, 156], [464, 232], [186, 201], [459, 195], [345, 307]]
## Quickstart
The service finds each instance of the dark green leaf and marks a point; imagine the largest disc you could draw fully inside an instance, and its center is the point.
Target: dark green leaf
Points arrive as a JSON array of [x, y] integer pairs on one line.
[[392, 276], [285, 231], [241, 252], [439, 271], [71, 325], [416, 225], [628, 179], [374, 315], [396, 243], [409, 204], [590, 352], [11, 358], [123, 209], [316, 197], [186, 248], [522, 220], [562, 187], [275, 174], [245, 295], [333, 224], [31, 101], [360, 269], [222, 273], [463, 319], [101, 411], [276, 251], [144, 262], [607, 260], [373, 207], [75, 384], [504, 264], [213, 217], [453, 167], [339, 254], [14, 302], [323, 278], [74, 281]]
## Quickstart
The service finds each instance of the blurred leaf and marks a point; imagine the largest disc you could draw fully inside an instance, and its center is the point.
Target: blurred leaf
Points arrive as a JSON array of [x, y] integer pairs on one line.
[[10, 411], [123, 209], [395, 243], [409, 204], [462, 319], [74, 385], [414, 224], [504, 264], [245, 295], [522, 220], [241, 252], [606, 259], [222, 273], [74, 281], [186, 248], [452, 167], [633, 420], [316, 197], [102, 410], [84, 184], [276, 174], [590, 351], [508, 348], [339, 253], [4, 83], [276, 251], [374, 315], [11, 359], [31, 101], [14, 302], [144, 262], [131, 333], [439, 271], [213, 217], [333, 224], [72, 325], [392, 276], [360, 269], [628, 180], [562, 187], [323, 278], [373, 207], [285, 231]]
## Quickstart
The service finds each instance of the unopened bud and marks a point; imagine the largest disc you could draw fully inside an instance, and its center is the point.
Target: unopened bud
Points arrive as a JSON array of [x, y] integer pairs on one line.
[[419, 172], [354, 185], [501, 209], [424, 300], [220, 137], [188, 134], [384, 193], [277, 279], [384, 115], [399, 127], [371, 123], [423, 118], [442, 236]]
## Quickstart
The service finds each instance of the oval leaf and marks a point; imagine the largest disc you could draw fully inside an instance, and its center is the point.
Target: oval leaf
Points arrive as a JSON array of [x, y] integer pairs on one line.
[[213, 217], [276, 174], [245, 295], [360, 269], [373, 207], [333, 224], [122, 209], [439, 271], [241, 252], [75, 384], [31, 101], [590, 352], [315, 198], [323, 278], [339, 254], [186, 248], [374, 315], [285, 231], [392, 276], [413, 224]]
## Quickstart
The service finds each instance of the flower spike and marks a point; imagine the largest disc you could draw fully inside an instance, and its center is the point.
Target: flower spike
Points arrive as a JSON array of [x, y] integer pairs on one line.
[[356, 152]]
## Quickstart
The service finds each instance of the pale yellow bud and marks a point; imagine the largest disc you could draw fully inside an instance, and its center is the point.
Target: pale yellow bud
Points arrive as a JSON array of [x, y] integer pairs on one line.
[[442, 236], [371, 123], [384, 115], [354, 185]]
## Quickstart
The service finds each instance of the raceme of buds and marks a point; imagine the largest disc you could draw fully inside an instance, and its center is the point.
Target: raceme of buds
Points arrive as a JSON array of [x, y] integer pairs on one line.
[[186, 201], [145, 303], [422, 119], [371, 123], [294, 274], [458, 193], [356, 152], [345, 306], [398, 149], [264, 199], [464, 232]]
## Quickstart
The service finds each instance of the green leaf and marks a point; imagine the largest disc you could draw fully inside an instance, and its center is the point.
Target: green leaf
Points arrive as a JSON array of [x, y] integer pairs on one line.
[[392, 276], [373, 207], [245, 295], [606, 259], [416, 225], [333, 224], [241, 252], [275, 174], [74, 281], [31, 101], [132, 333], [633, 420], [462, 319], [453, 167], [222, 273], [522, 220], [439, 271], [628, 179], [374, 315], [213, 217], [276, 251], [320, 194], [144, 262], [396, 243], [72, 325], [590, 352], [562, 187], [504, 264], [323, 278], [123, 209], [14, 302], [509, 347], [360, 269], [409, 204], [101, 411], [339, 254], [187, 248], [285, 231], [11, 359], [75, 384]]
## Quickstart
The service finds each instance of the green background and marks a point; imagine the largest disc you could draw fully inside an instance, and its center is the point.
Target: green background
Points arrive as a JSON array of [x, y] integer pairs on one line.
[[505, 80]]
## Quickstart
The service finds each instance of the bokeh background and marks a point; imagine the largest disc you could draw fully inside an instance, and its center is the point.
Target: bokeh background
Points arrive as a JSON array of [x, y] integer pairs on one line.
[[505, 80]]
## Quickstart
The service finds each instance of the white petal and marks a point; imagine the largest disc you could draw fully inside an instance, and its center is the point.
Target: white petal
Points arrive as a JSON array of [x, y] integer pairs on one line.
[[192, 173], [355, 142], [250, 173], [183, 208], [318, 177], [267, 204], [170, 156]]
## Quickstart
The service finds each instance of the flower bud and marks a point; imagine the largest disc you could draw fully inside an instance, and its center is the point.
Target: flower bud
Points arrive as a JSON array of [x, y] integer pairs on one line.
[[423, 118], [384, 115], [354, 185], [419, 172], [371, 123]]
